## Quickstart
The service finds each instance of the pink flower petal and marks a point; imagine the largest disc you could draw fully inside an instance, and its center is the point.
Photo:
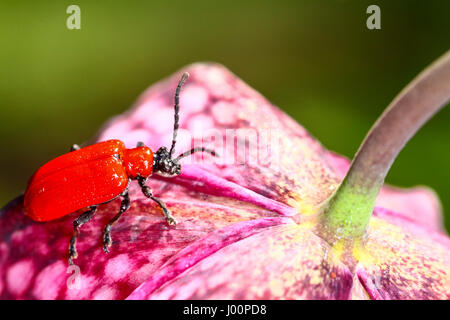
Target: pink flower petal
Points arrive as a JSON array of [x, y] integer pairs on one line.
[[402, 260], [142, 242], [201, 249], [280, 262]]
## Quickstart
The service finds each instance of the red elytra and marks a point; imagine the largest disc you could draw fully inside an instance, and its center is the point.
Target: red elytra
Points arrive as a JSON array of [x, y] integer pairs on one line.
[[96, 174], [85, 177]]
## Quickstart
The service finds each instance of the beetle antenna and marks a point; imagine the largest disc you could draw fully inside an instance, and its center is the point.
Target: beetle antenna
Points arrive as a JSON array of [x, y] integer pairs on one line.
[[177, 109], [194, 150]]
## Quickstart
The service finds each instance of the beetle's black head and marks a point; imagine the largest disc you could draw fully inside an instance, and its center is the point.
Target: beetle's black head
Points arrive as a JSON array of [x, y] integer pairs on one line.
[[164, 165]]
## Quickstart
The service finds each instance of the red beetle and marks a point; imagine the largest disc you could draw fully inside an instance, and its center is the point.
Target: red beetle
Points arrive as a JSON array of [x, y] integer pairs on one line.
[[87, 177]]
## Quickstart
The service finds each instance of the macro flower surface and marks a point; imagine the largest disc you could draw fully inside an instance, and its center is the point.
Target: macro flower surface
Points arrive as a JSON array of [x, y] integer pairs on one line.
[[246, 224]]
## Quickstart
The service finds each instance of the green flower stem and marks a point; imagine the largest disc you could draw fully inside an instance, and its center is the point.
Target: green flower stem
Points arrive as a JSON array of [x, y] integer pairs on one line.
[[346, 214]]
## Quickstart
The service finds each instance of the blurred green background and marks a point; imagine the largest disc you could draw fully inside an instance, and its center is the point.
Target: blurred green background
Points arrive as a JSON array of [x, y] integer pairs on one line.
[[314, 59]]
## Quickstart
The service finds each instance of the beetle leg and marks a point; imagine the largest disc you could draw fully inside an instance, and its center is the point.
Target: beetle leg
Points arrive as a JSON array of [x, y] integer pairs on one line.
[[74, 147], [147, 191], [77, 223], [124, 206], [170, 219]]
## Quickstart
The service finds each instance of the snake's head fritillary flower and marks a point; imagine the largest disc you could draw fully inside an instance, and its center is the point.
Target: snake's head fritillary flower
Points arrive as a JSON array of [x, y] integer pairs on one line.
[[277, 216]]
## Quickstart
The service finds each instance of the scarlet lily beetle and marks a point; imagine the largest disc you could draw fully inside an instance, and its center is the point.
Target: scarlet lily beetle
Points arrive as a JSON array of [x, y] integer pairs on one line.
[[97, 174]]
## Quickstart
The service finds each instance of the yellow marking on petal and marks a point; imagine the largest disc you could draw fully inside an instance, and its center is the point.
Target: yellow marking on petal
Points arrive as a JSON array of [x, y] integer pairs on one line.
[[338, 249], [303, 207], [361, 254], [307, 225]]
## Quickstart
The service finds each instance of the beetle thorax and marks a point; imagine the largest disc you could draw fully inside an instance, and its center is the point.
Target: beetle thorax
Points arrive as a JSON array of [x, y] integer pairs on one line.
[[138, 162]]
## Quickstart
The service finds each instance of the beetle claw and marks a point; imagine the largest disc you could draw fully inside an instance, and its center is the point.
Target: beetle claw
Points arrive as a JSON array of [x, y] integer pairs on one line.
[[106, 245], [72, 256], [171, 221], [106, 241]]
